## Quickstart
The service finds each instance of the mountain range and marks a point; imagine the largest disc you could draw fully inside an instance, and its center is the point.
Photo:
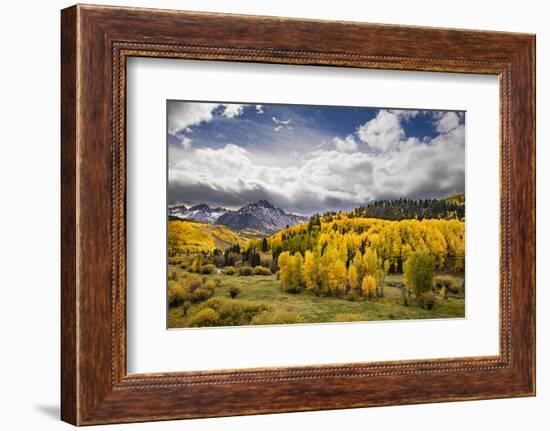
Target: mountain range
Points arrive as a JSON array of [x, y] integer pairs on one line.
[[202, 213], [260, 217]]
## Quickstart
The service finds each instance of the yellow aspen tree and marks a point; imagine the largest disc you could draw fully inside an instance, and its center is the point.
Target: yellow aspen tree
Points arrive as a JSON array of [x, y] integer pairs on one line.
[[343, 250], [285, 272], [368, 286], [197, 263], [309, 271], [325, 267], [436, 244], [454, 233], [353, 279], [370, 261], [381, 273], [339, 274], [297, 270], [354, 243], [291, 281], [406, 251], [386, 267], [323, 241], [358, 264], [419, 272], [334, 271]]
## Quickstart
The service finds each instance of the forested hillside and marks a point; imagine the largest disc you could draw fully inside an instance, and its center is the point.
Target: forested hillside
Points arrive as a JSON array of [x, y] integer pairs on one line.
[[392, 240], [400, 209], [334, 253], [335, 267], [193, 237]]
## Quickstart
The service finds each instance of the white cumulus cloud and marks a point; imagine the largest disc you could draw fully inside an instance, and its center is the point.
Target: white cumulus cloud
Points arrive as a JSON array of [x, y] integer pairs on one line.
[[347, 144], [383, 132], [405, 114], [232, 110], [183, 115], [186, 142], [342, 174], [446, 122]]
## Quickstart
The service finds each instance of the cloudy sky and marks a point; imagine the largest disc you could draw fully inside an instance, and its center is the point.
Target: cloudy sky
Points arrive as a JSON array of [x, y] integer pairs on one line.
[[308, 159]]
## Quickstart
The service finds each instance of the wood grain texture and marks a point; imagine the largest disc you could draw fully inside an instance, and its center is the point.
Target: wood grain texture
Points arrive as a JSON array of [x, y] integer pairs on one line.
[[96, 41], [69, 366]]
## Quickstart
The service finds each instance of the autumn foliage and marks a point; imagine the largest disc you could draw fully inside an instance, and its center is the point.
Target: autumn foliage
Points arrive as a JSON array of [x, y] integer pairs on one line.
[[419, 272], [338, 255]]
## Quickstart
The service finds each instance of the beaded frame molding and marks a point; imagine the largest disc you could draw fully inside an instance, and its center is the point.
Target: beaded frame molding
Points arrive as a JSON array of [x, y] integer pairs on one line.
[[95, 43]]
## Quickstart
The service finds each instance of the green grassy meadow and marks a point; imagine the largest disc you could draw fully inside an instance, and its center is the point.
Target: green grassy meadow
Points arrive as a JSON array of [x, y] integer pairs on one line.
[[305, 307]]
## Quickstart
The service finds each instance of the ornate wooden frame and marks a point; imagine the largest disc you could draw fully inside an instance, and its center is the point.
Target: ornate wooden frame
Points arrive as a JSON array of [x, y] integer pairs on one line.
[[95, 43]]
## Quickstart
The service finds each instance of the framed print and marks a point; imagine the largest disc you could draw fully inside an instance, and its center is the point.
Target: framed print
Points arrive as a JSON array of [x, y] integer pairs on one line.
[[321, 239], [252, 205]]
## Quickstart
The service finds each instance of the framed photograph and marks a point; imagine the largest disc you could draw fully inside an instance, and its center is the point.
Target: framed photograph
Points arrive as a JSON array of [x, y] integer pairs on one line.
[[284, 214], [322, 214]]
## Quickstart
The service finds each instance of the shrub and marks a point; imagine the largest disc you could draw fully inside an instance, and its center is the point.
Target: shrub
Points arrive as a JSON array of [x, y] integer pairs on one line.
[[218, 260], [419, 272], [426, 300], [278, 317], [444, 281], [174, 260], [448, 285], [230, 270], [185, 306], [207, 269], [245, 270], [197, 263], [212, 284], [191, 285], [193, 290], [260, 270], [173, 276], [234, 312], [266, 260], [234, 291], [203, 317], [199, 295], [177, 294], [454, 289]]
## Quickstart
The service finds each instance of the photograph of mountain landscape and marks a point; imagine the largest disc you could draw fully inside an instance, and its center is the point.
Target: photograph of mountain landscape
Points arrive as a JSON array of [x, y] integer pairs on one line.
[[284, 214]]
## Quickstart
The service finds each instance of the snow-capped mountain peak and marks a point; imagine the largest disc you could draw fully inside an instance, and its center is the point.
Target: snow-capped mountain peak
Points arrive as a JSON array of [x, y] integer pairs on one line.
[[260, 216], [201, 213]]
